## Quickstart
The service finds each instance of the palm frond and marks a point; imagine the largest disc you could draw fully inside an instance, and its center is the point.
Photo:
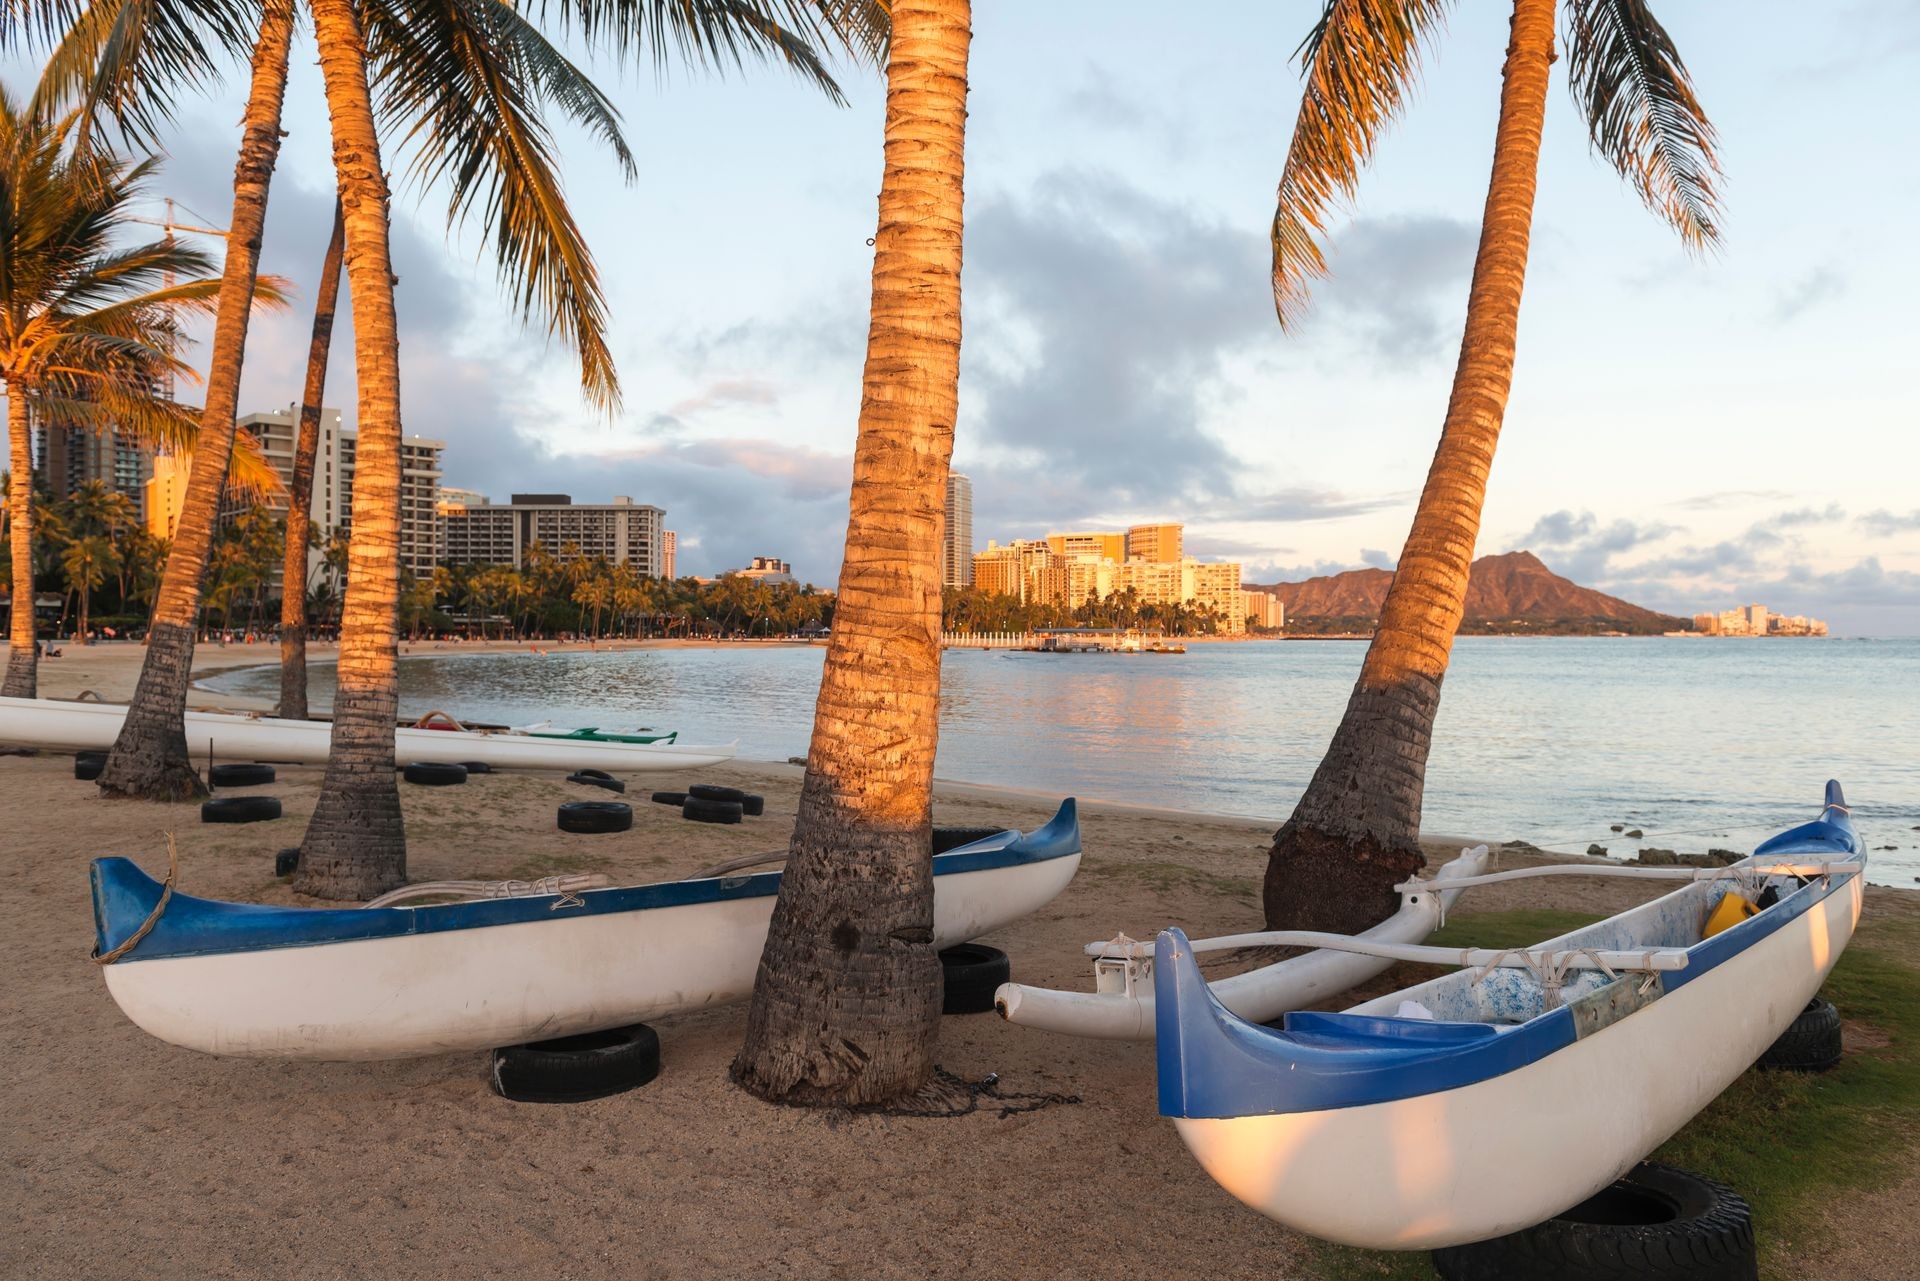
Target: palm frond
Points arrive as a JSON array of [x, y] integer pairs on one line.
[[718, 34], [467, 78], [1361, 61], [1642, 115], [131, 61]]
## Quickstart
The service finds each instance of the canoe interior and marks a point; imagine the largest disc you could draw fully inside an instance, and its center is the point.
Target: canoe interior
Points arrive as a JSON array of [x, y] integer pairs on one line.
[[123, 897]]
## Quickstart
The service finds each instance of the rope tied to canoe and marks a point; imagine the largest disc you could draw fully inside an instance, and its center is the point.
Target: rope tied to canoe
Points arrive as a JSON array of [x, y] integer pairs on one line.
[[153, 917], [952, 1095]]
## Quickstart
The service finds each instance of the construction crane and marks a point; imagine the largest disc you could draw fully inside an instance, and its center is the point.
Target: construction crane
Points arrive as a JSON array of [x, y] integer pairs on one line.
[[170, 224]]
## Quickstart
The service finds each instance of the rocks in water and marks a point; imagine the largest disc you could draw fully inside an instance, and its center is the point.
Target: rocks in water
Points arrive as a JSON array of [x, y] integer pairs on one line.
[[1597, 851], [1657, 858], [1886, 847], [1521, 847], [1725, 858], [1635, 834], [797, 760], [1619, 827]]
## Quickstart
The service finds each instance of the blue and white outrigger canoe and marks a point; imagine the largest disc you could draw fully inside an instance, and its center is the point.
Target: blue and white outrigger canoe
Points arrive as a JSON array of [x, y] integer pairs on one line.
[[396, 982], [1497, 1096]]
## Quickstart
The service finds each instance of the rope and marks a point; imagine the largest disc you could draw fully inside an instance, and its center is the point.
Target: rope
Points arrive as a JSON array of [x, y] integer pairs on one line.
[[153, 917]]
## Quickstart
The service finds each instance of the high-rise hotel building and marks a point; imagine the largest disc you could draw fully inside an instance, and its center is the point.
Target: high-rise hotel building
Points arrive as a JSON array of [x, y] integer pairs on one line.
[[623, 531], [956, 546], [1146, 561]]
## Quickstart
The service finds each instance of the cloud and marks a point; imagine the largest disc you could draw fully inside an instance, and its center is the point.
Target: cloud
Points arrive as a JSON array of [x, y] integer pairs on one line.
[[1398, 284], [1807, 292], [1886, 524], [1374, 558], [1731, 498], [725, 392], [1578, 546], [1810, 516]]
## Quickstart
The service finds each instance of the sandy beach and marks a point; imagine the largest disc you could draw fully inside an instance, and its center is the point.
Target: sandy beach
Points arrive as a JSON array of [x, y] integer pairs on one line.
[[126, 1157]]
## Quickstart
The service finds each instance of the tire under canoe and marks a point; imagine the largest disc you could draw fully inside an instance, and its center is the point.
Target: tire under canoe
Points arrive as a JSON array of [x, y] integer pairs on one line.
[[970, 974], [574, 1069]]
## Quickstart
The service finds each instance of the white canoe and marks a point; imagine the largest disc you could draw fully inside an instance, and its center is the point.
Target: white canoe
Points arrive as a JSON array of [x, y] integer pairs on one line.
[[397, 982], [231, 736], [1120, 1008], [1504, 1107]]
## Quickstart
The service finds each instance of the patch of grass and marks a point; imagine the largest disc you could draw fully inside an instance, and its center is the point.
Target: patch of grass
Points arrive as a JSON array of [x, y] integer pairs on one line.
[[1786, 1141]]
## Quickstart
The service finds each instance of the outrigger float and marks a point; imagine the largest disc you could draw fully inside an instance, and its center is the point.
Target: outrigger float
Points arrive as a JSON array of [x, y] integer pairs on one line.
[[258, 981], [1500, 1095], [77, 726], [1121, 1006]]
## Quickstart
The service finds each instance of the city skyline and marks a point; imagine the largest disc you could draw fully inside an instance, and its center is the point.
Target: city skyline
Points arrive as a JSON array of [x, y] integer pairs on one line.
[[1133, 367]]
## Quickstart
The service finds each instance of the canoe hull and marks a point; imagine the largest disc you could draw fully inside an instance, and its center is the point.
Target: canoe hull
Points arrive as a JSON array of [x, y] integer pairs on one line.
[[94, 726], [1501, 1154], [437, 991]]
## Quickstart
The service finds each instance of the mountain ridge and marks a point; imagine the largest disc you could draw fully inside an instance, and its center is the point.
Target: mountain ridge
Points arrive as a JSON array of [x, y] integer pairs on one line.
[[1512, 587]]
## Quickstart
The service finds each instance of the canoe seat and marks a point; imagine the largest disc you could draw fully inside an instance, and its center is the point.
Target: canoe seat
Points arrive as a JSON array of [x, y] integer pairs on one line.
[[1375, 1032]]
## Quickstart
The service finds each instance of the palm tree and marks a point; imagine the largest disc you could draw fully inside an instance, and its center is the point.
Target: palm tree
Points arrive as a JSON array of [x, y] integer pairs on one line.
[[1355, 832], [462, 78], [86, 562], [846, 1004], [86, 328], [293, 574]]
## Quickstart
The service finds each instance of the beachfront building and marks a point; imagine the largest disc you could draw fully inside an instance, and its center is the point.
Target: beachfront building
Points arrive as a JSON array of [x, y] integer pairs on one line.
[[764, 569], [1757, 620], [1263, 610], [622, 532], [66, 458], [1068, 569], [330, 506], [669, 552], [956, 544], [1093, 543], [1163, 543], [166, 493]]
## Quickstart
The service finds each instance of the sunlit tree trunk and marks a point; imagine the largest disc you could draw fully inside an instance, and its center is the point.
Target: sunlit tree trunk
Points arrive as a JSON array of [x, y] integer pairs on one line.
[[23, 665], [355, 846], [293, 574], [846, 1005], [1355, 832], [150, 756]]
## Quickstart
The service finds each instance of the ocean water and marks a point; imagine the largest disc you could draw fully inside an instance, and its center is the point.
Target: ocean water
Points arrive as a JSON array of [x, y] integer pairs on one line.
[[1698, 743]]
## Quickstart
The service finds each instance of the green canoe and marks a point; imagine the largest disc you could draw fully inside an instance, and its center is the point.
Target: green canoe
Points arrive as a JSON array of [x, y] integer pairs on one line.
[[592, 735]]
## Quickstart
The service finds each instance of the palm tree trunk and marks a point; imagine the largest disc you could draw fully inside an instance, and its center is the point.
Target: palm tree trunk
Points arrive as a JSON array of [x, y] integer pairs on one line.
[[846, 1005], [23, 659], [293, 573], [150, 757], [1355, 832], [355, 846]]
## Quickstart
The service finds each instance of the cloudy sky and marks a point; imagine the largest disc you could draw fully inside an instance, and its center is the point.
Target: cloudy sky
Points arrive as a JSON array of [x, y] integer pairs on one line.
[[1688, 434]]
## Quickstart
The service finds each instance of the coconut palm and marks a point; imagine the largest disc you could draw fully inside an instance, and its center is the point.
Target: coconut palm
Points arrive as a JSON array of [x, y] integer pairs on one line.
[[846, 1004], [293, 574], [1355, 832], [87, 327], [85, 562], [463, 82]]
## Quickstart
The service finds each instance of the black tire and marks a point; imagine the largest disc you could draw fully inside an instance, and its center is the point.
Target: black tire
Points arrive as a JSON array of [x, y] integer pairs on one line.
[[1655, 1224], [970, 974], [476, 767], [595, 816], [286, 862], [85, 767], [668, 798], [707, 792], [952, 838], [574, 1069], [435, 774], [240, 775], [594, 778], [1811, 1044], [91, 754], [753, 806], [701, 810], [240, 809]]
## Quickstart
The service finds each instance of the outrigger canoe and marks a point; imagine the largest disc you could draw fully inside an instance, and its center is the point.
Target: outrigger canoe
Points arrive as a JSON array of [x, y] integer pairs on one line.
[[1120, 1008], [52, 723], [397, 982], [1500, 1095]]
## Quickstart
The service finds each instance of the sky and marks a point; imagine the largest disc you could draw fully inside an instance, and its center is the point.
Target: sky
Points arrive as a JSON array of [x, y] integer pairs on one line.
[[1690, 434]]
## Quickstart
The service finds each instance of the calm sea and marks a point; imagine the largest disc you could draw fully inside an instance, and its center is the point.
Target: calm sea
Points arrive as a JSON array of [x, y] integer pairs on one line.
[[1697, 743]]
